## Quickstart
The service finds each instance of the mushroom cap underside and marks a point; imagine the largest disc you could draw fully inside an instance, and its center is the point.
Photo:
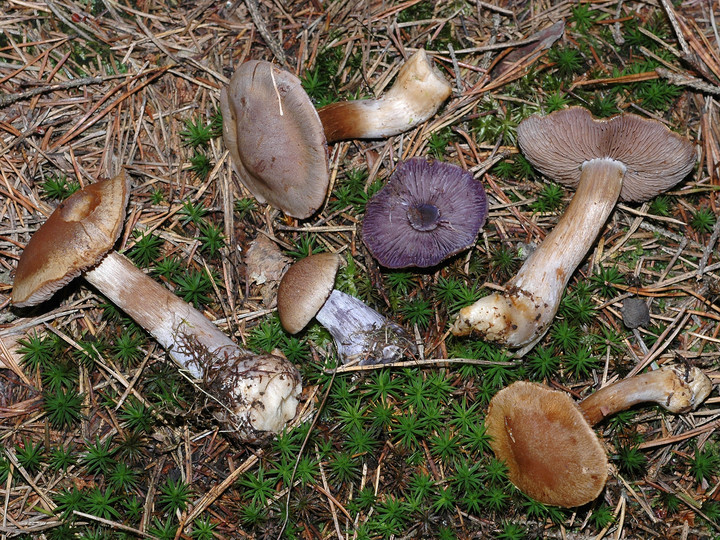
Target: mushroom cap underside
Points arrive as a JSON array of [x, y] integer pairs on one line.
[[80, 231], [427, 212], [275, 139], [558, 144], [551, 452], [304, 289]]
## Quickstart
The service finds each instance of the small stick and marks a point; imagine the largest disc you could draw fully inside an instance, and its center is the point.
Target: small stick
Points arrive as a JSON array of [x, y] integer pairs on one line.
[[264, 32]]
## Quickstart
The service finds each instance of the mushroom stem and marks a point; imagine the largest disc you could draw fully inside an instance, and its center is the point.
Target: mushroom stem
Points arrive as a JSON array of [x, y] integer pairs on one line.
[[674, 388], [521, 315], [360, 332], [416, 95], [257, 392]]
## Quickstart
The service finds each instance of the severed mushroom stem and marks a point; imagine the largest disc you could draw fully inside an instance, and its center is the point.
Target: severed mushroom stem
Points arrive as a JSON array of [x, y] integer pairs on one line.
[[257, 393], [361, 334], [416, 95], [521, 315], [675, 388]]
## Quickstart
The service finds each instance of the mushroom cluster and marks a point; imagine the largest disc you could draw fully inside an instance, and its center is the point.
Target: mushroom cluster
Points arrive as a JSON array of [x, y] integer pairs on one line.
[[254, 394], [547, 441], [278, 142], [626, 157]]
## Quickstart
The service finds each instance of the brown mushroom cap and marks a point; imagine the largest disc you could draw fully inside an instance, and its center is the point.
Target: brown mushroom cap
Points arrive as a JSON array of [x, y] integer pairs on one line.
[[558, 144], [74, 238], [275, 138], [304, 289], [551, 452]]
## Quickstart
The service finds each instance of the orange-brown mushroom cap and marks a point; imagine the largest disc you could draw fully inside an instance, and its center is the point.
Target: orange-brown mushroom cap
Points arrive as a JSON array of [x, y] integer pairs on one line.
[[275, 139], [304, 289], [74, 238], [551, 451]]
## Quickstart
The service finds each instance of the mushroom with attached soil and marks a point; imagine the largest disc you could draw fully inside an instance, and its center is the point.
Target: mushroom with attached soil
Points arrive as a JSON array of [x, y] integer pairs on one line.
[[255, 394], [626, 157], [427, 212], [361, 334], [547, 441], [278, 141]]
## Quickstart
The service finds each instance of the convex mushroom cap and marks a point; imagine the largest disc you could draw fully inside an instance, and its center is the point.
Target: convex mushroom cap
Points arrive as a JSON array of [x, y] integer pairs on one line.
[[626, 156], [551, 452], [427, 212], [275, 138], [561, 144], [80, 231], [305, 288]]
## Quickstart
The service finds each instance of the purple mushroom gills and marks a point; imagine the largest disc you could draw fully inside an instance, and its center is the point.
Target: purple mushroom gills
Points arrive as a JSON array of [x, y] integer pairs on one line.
[[427, 212], [415, 96], [626, 157], [277, 140], [547, 441], [252, 395], [361, 334]]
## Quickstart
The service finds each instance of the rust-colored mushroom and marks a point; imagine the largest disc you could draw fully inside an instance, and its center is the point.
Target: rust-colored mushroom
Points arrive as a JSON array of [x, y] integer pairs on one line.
[[547, 440]]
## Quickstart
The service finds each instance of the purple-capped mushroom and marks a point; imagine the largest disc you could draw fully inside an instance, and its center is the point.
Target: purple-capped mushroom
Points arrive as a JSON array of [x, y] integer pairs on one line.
[[427, 212]]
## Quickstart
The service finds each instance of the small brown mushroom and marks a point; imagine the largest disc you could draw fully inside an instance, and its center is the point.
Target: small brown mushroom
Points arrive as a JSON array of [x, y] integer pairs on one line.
[[626, 156], [361, 334], [255, 393], [547, 440]]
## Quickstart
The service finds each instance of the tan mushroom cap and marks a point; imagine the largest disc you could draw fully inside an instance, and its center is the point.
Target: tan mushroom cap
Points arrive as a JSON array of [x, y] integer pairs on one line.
[[304, 289], [275, 138], [551, 452], [558, 144], [74, 238]]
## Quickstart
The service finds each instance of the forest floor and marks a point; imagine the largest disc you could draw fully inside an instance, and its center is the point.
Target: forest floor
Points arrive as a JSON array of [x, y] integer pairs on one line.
[[103, 437]]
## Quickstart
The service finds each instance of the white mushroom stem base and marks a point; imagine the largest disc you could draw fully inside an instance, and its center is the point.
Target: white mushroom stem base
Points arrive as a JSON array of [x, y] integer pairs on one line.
[[416, 95], [674, 388], [361, 334], [520, 316], [256, 393]]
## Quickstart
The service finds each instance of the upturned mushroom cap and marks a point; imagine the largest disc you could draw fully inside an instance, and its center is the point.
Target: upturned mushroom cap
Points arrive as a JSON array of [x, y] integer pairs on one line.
[[304, 289], [427, 212], [558, 144], [80, 231], [551, 452], [275, 138]]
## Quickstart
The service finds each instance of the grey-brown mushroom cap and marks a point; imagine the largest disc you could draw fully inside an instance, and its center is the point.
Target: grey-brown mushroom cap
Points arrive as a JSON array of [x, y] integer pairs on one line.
[[551, 451], [304, 289], [558, 144], [76, 236], [275, 138]]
